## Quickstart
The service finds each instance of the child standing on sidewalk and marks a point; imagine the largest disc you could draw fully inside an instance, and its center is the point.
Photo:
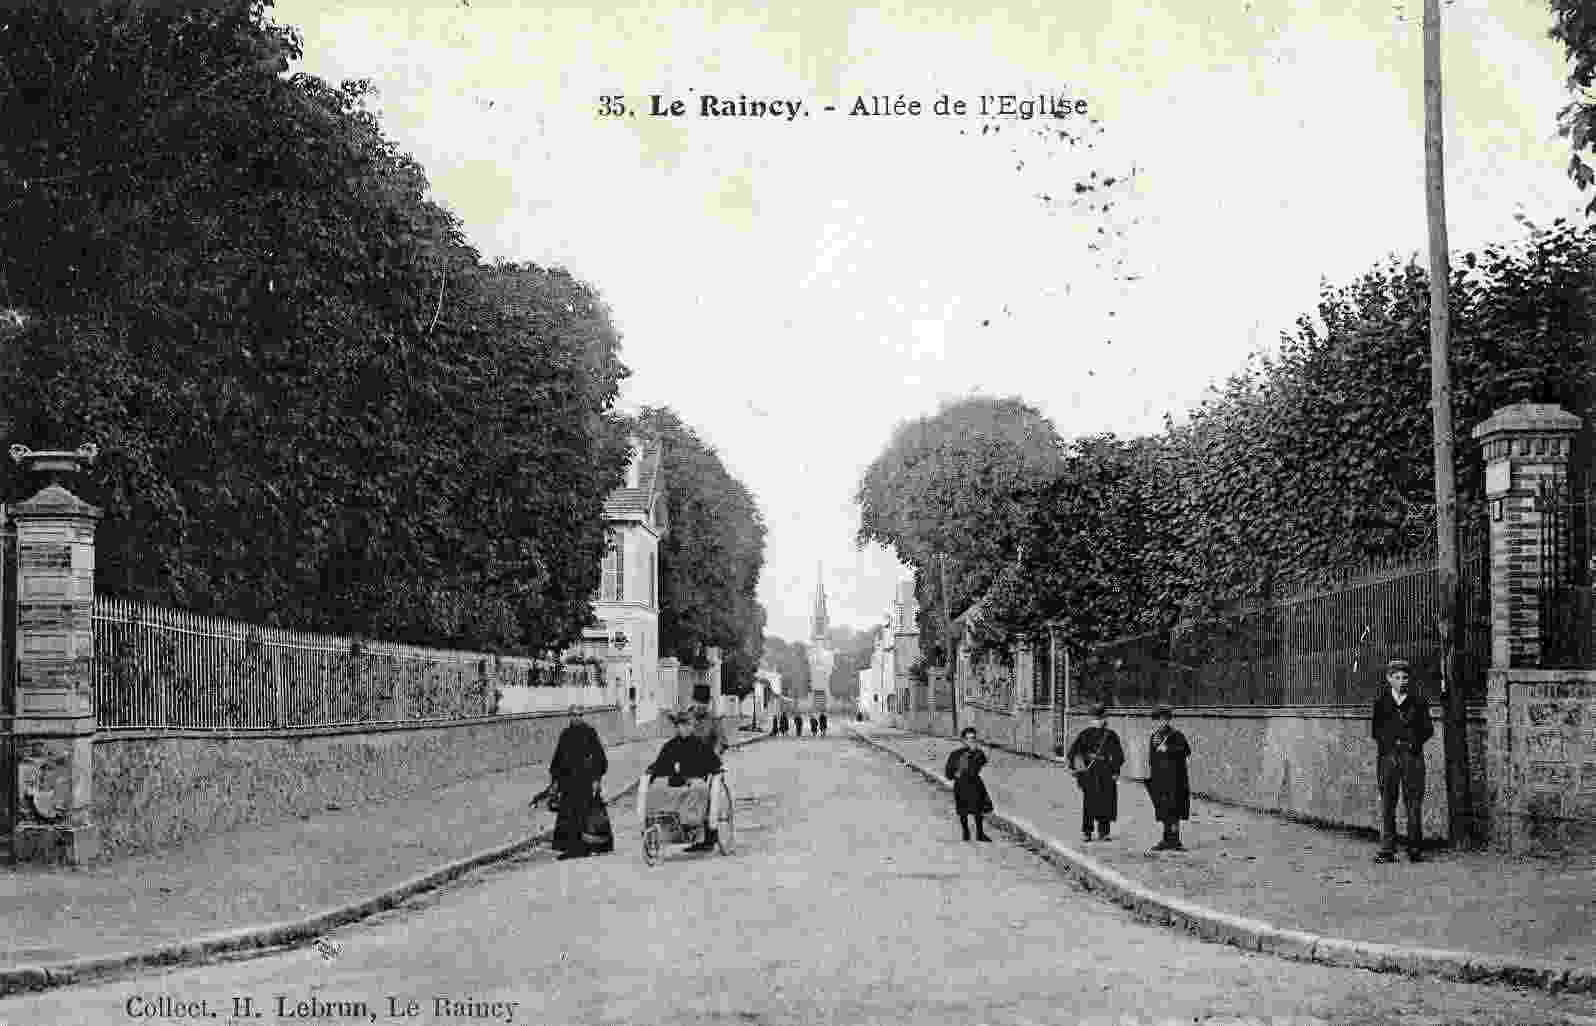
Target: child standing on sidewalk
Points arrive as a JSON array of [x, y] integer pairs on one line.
[[1167, 782], [969, 790], [1095, 758]]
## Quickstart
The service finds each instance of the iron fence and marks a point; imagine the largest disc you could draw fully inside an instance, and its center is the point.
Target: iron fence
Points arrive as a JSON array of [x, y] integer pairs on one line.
[[1323, 642], [1567, 540], [165, 668]]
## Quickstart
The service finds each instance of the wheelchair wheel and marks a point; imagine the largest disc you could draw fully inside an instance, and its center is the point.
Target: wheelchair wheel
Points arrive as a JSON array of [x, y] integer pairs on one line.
[[651, 845], [723, 829]]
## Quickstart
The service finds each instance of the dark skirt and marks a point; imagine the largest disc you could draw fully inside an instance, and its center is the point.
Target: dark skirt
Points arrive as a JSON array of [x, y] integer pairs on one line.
[[576, 805], [970, 797]]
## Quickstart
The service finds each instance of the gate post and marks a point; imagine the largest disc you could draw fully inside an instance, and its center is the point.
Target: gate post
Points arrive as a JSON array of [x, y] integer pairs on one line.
[[55, 719], [1525, 445]]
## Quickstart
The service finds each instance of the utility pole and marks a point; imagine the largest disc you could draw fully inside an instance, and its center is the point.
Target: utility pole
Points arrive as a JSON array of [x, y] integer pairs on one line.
[[951, 666], [1455, 732]]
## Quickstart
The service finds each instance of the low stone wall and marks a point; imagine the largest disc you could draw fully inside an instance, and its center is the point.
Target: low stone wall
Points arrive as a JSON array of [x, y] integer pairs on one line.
[[152, 790], [1543, 770], [1311, 762]]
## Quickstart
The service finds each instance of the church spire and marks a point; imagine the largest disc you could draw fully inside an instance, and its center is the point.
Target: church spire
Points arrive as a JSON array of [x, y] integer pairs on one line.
[[817, 619]]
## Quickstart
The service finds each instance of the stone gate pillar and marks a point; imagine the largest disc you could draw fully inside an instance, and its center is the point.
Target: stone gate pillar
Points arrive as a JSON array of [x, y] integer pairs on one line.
[[55, 720], [1525, 446], [1533, 745]]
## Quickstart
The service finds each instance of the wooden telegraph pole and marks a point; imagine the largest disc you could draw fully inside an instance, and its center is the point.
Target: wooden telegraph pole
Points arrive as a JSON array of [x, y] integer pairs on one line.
[[1455, 733]]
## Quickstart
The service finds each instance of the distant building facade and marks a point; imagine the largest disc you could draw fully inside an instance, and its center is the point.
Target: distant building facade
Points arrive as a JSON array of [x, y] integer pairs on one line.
[[625, 636]]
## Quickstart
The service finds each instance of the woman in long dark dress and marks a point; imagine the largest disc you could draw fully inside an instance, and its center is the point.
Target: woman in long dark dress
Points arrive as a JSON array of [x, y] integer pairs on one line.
[[577, 770], [970, 797]]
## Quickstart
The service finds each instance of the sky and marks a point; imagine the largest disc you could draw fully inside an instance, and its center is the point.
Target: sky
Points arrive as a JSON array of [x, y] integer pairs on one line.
[[796, 288]]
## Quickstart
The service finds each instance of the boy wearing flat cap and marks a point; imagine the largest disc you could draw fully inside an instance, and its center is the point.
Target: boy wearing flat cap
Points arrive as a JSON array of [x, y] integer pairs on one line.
[[1401, 726], [1167, 782], [1095, 758]]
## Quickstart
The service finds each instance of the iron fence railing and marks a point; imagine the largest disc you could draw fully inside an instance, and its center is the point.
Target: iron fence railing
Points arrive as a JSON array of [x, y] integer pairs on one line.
[[1321, 644], [1567, 543], [165, 668]]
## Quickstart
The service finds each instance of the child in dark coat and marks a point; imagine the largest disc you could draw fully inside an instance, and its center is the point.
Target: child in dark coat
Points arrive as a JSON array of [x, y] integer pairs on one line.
[[1167, 782], [969, 791]]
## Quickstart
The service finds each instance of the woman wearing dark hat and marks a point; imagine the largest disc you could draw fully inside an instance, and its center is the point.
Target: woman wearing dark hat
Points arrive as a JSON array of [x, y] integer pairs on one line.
[[1095, 758], [970, 797], [1167, 782]]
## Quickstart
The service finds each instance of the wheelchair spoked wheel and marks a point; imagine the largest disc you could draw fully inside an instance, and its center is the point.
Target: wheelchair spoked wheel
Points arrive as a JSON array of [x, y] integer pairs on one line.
[[723, 829], [651, 845]]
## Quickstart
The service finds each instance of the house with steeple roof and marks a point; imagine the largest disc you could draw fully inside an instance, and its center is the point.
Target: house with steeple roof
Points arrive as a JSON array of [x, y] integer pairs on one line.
[[625, 634]]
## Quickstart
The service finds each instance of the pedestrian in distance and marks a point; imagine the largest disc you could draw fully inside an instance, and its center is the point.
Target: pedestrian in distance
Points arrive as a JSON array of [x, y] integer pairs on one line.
[[799, 722], [1401, 725], [814, 725], [577, 771], [1167, 782], [970, 797], [822, 724], [1095, 758]]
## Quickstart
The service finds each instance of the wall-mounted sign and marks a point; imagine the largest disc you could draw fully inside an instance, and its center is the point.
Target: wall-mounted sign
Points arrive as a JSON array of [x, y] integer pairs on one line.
[[1498, 478]]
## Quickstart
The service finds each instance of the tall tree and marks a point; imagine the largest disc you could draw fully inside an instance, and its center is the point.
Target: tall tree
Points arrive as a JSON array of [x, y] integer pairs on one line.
[[951, 486], [1574, 25], [316, 408], [711, 558]]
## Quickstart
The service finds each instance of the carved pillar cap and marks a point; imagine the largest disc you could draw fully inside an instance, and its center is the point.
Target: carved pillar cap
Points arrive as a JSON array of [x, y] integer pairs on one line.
[[55, 501], [1546, 419]]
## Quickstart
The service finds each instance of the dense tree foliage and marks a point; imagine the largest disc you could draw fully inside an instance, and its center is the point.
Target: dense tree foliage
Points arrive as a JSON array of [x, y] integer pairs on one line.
[[711, 557], [791, 660], [1314, 459], [951, 487], [1574, 25], [854, 650], [316, 406]]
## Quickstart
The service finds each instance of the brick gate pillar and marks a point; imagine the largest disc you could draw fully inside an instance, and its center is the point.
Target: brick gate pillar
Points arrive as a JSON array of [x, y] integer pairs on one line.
[[1525, 446], [55, 721]]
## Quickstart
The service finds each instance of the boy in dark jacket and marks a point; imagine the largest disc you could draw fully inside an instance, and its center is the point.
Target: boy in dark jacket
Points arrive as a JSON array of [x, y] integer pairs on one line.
[[1401, 725], [1095, 758], [1167, 782], [970, 797]]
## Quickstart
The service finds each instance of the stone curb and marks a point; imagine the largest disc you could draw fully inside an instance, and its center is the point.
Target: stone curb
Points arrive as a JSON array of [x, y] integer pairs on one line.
[[1257, 935], [255, 941]]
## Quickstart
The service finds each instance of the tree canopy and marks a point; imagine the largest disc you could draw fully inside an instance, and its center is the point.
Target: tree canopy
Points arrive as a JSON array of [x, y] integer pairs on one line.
[[1313, 459], [1574, 25], [316, 406], [711, 558], [951, 486]]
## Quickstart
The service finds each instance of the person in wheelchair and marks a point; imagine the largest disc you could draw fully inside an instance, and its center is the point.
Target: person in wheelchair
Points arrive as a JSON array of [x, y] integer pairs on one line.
[[683, 759]]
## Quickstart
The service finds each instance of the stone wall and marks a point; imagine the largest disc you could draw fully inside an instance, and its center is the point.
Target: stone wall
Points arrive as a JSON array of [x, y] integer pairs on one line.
[[1311, 762], [156, 790], [1543, 752]]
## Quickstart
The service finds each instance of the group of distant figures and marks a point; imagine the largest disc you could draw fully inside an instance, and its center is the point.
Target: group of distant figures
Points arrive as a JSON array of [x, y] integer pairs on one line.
[[781, 723]]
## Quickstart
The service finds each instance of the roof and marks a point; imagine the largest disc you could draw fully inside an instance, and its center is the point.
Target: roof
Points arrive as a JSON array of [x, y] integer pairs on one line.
[[635, 503]]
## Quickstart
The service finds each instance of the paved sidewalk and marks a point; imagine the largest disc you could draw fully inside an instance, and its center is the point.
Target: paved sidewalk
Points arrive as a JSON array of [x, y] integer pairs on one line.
[[272, 874], [1302, 877]]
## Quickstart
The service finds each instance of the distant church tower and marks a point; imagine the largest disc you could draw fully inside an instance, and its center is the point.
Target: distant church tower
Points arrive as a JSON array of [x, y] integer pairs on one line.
[[821, 657]]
